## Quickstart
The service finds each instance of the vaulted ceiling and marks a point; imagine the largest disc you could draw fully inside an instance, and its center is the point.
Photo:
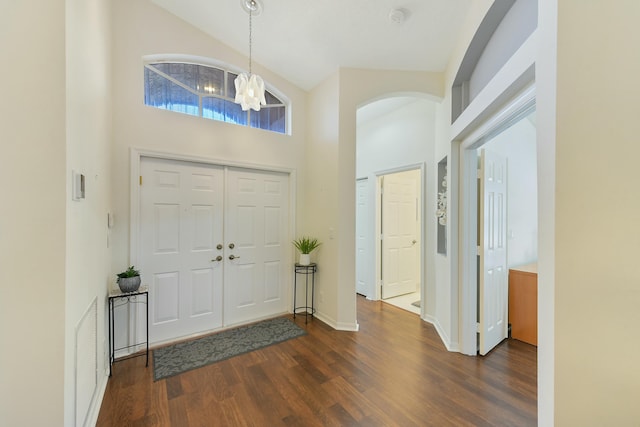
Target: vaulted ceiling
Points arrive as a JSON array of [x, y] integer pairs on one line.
[[305, 41]]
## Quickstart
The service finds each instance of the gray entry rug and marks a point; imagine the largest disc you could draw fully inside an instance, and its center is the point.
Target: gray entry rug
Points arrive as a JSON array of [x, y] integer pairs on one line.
[[184, 356]]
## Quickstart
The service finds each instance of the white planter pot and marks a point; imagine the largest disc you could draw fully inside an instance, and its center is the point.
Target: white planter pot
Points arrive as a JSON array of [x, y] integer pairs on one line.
[[305, 259], [129, 284]]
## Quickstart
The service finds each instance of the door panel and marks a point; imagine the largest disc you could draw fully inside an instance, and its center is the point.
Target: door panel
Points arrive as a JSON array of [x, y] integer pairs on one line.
[[202, 298], [165, 297], [493, 287], [256, 218], [181, 224], [400, 234]]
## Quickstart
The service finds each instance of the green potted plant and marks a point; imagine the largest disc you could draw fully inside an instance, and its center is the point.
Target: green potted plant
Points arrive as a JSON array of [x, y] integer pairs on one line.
[[129, 280], [305, 245]]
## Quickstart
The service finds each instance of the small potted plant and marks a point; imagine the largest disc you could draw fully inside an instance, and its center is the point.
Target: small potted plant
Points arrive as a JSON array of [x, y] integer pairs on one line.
[[129, 280], [305, 245]]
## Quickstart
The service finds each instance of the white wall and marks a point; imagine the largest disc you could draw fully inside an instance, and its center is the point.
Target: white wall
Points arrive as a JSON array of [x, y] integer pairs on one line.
[[404, 136], [518, 145], [322, 189], [88, 262], [32, 213], [597, 206]]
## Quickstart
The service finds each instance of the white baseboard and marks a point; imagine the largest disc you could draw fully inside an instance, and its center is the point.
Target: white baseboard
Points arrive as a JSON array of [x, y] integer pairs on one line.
[[339, 326], [352, 327], [94, 411], [448, 344], [325, 319]]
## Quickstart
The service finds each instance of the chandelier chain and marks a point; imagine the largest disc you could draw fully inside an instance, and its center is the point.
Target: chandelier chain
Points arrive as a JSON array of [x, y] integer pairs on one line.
[[250, 32]]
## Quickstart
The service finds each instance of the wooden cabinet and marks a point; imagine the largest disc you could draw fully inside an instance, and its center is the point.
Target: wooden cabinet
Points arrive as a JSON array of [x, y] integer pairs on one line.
[[523, 303]]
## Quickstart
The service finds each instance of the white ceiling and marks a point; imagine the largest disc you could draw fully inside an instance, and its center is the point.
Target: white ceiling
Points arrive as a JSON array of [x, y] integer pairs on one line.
[[305, 41]]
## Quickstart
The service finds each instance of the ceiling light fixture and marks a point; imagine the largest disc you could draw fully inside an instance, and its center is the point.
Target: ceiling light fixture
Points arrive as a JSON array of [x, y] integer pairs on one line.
[[250, 87]]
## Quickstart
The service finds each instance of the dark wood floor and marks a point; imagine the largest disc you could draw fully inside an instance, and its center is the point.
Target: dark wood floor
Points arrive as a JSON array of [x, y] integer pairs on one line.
[[393, 372]]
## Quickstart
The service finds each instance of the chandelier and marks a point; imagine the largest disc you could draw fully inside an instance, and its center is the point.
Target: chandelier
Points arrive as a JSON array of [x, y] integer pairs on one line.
[[249, 86]]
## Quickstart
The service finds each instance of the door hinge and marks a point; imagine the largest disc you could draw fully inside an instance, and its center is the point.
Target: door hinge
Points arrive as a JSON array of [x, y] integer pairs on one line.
[[478, 330], [140, 179], [479, 174], [381, 236], [478, 250]]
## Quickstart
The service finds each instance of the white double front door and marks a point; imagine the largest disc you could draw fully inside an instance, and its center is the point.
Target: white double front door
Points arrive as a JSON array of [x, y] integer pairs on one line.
[[213, 245]]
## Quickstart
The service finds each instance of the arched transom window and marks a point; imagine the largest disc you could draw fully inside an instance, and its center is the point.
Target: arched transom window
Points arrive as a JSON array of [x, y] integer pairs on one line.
[[209, 92]]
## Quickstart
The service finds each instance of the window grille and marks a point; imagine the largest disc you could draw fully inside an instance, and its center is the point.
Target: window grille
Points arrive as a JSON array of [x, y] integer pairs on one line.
[[209, 92]]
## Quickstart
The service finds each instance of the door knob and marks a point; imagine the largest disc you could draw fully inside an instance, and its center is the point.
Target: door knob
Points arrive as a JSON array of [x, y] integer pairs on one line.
[[232, 257], [231, 246], [414, 242], [218, 258], [219, 247]]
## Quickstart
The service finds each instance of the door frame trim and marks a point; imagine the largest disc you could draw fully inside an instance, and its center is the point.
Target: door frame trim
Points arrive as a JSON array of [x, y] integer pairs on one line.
[[467, 211], [366, 264], [135, 156]]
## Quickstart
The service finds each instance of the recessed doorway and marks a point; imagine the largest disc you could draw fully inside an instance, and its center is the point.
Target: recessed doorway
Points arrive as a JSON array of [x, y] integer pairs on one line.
[[483, 309], [398, 223]]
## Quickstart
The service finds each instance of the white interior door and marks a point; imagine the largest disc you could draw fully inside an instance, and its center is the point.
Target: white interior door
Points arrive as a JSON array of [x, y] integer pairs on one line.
[[362, 242], [493, 286], [400, 271], [256, 221], [181, 221]]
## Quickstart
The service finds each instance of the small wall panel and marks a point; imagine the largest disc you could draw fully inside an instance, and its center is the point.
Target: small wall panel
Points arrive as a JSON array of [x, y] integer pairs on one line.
[[272, 281], [272, 187], [201, 182], [203, 227], [202, 292], [166, 297], [166, 229], [272, 232], [245, 291], [86, 363], [246, 185], [166, 179], [245, 235]]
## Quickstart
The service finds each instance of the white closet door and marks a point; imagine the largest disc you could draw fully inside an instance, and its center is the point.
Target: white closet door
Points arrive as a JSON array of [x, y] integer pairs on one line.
[[181, 224], [256, 245], [494, 287]]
